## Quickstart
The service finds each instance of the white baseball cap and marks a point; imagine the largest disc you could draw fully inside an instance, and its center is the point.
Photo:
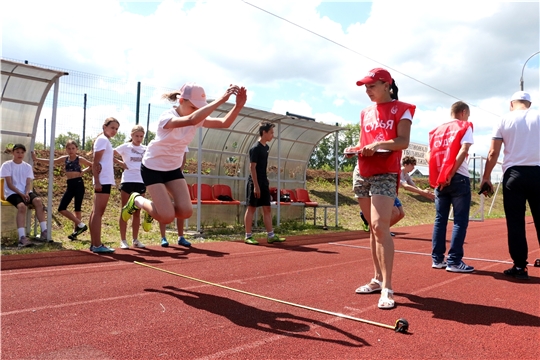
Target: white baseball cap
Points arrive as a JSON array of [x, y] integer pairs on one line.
[[521, 95], [194, 93]]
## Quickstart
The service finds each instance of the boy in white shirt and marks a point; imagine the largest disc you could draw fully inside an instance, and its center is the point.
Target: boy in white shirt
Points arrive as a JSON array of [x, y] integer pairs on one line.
[[18, 176]]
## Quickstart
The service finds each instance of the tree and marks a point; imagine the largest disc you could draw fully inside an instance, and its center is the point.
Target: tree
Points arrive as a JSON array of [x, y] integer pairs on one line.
[[150, 135], [62, 139], [323, 156]]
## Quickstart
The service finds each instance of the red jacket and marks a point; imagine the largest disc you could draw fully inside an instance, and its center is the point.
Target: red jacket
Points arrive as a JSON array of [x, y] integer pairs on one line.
[[444, 144]]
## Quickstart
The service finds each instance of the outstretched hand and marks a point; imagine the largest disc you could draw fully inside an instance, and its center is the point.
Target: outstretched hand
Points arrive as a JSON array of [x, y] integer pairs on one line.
[[232, 90], [241, 97]]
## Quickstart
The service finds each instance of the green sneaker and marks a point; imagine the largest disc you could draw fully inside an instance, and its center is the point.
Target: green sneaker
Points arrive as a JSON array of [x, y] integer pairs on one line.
[[147, 221], [274, 239], [365, 227], [251, 241], [130, 207]]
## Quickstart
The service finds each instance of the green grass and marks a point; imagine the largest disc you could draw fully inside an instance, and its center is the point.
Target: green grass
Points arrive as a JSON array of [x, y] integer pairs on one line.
[[418, 210]]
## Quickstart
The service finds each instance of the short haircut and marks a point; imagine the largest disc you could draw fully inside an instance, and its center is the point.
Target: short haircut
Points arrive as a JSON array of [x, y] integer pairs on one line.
[[19, 146], [265, 126], [458, 107], [408, 160]]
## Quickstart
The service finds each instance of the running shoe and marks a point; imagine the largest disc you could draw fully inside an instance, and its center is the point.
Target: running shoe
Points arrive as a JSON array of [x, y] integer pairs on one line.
[[460, 268], [365, 226], [518, 273], [25, 242], [183, 242], [164, 242], [274, 239], [43, 237], [138, 244], [124, 244], [101, 249], [439, 265], [73, 236], [147, 221], [130, 207], [80, 230], [251, 241]]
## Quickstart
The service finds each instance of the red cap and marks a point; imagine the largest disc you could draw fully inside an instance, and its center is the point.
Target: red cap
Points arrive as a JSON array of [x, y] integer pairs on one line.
[[375, 75]]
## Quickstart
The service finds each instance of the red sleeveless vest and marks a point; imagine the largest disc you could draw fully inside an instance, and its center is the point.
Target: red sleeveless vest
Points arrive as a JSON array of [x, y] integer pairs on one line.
[[379, 122], [444, 144]]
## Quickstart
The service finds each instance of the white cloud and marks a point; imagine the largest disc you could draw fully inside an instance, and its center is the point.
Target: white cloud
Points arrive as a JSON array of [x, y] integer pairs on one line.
[[438, 52]]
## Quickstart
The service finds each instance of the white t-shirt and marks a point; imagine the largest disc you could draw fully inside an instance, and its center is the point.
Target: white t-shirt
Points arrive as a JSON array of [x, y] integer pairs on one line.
[[19, 174], [132, 156], [467, 139], [520, 133], [166, 151], [405, 178], [106, 176]]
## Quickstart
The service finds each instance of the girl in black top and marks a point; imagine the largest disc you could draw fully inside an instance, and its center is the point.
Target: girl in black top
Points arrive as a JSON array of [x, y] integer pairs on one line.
[[75, 185]]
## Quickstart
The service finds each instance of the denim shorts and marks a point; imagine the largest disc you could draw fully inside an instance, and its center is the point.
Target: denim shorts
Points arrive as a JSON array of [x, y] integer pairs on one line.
[[381, 184]]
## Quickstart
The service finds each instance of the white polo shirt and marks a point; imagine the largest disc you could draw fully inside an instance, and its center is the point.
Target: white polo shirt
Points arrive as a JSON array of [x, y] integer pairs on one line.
[[520, 132]]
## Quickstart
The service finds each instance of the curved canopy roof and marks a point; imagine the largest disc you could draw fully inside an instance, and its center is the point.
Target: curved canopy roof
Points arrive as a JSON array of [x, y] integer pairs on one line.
[[24, 89], [295, 139]]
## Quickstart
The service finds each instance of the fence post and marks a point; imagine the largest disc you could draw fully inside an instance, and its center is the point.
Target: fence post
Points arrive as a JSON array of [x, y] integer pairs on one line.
[[84, 122], [138, 103]]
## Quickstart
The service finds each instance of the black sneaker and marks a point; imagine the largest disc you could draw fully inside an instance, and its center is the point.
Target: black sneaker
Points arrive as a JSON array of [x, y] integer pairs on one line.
[[518, 273]]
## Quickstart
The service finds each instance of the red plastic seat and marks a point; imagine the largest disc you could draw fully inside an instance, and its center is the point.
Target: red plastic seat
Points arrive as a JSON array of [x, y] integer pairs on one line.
[[292, 194], [206, 194], [224, 190], [302, 195]]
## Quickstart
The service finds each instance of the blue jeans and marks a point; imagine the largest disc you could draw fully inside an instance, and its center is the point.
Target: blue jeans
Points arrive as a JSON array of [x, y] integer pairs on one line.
[[457, 194]]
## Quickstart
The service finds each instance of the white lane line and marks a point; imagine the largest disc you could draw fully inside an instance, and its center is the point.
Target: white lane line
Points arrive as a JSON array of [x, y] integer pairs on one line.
[[425, 254]]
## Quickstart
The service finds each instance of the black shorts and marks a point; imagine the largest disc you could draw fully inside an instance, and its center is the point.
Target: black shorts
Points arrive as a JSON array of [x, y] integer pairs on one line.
[[151, 177], [263, 200], [16, 199], [105, 189], [131, 187]]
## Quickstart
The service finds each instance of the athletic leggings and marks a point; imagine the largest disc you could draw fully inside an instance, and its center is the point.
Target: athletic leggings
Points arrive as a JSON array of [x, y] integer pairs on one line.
[[75, 189]]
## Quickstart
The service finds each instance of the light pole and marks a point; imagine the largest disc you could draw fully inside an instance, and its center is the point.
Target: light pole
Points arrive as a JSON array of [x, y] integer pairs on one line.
[[521, 79]]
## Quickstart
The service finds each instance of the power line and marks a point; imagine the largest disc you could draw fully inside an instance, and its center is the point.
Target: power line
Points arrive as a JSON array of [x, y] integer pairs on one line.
[[364, 56]]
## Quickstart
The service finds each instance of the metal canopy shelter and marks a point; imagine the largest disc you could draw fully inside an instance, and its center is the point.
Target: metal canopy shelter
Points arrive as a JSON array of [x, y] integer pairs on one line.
[[24, 90], [224, 152]]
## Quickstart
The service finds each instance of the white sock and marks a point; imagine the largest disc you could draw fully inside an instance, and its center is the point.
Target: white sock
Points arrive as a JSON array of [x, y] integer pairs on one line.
[[81, 225], [22, 232], [43, 226], [139, 201]]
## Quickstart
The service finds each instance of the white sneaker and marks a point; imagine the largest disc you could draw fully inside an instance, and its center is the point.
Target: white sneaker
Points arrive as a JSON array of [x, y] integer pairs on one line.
[[138, 244], [124, 244]]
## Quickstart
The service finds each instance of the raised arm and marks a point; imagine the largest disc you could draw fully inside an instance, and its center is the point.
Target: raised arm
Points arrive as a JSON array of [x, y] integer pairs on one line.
[[202, 113]]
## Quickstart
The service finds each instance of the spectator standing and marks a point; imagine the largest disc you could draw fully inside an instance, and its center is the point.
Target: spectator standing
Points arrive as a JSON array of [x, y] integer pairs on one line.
[[449, 146], [75, 185], [103, 171], [519, 131], [132, 153], [258, 186]]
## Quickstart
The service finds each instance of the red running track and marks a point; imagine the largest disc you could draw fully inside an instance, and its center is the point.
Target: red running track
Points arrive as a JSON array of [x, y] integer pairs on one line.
[[78, 305]]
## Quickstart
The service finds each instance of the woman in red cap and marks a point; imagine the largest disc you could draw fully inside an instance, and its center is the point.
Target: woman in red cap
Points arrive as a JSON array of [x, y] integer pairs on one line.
[[384, 132], [161, 164]]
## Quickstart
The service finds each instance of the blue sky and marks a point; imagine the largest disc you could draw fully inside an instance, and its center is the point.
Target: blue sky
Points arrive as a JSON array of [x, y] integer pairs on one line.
[[303, 57]]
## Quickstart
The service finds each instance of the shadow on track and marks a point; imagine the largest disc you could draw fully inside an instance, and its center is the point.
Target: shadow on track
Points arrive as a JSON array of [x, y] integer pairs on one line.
[[279, 323]]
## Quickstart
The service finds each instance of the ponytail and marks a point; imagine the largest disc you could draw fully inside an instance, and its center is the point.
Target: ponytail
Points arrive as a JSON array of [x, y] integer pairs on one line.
[[394, 90]]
